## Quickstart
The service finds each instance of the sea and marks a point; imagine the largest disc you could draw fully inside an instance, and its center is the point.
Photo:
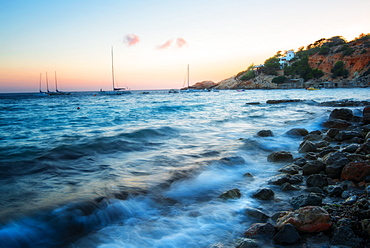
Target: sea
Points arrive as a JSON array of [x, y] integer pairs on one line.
[[146, 170]]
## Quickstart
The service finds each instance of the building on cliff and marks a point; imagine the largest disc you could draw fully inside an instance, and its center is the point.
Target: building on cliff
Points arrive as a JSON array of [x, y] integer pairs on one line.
[[285, 61]]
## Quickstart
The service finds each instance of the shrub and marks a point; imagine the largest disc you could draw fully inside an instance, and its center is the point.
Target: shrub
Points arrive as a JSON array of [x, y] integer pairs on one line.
[[339, 71], [324, 50], [279, 80]]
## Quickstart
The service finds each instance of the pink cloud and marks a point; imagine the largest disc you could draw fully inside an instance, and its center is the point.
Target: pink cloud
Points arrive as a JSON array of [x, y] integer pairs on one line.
[[181, 42], [131, 39], [165, 45]]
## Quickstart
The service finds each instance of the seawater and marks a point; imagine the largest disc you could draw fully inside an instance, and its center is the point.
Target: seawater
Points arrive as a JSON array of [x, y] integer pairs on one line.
[[144, 170]]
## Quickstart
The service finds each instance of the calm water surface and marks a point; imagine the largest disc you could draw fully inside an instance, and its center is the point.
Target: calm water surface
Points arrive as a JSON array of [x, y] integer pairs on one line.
[[143, 170]]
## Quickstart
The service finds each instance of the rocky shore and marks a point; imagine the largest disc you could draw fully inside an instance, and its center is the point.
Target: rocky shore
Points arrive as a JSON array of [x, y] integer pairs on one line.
[[328, 188]]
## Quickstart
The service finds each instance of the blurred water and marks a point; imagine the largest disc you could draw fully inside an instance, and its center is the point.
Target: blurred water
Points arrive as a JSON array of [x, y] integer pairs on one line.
[[142, 170]]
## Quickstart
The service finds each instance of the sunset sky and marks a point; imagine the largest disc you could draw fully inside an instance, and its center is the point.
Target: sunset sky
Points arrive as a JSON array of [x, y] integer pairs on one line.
[[155, 40]]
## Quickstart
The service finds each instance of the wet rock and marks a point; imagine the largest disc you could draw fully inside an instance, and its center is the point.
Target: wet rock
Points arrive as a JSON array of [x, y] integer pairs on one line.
[[335, 170], [365, 225], [282, 101], [289, 187], [217, 245], [332, 132], [285, 178], [364, 148], [351, 148], [260, 230], [265, 133], [281, 156], [313, 167], [333, 156], [247, 243], [288, 235], [233, 160], [264, 194], [366, 115], [316, 180], [322, 144], [315, 190], [310, 156], [309, 219], [256, 214], [347, 135], [351, 200], [248, 175], [343, 114], [297, 132], [231, 194], [307, 146], [334, 190], [313, 137], [344, 235], [338, 124], [356, 171], [310, 199], [291, 169]]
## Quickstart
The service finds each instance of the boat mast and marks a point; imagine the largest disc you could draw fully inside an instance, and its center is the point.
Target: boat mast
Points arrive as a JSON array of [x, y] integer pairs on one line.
[[56, 84], [47, 82], [188, 76], [40, 83], [112, 69]]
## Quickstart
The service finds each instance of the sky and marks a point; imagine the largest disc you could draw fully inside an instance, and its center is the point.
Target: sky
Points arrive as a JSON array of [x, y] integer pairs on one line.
[[155, 40]]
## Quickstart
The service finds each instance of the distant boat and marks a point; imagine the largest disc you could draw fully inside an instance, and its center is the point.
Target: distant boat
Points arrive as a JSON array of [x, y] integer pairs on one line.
[[57, 92], [41, 93], [173, 91], [115, 91], [188, 89], [312, 88]]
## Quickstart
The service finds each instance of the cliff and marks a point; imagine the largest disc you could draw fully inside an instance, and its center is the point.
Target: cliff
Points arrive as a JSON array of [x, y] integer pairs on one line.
[[325, 63]]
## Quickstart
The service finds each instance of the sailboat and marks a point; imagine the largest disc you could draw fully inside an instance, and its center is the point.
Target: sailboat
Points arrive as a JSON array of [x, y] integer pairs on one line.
[[57, 92], [188, 89], [115, 91], [41, 93]]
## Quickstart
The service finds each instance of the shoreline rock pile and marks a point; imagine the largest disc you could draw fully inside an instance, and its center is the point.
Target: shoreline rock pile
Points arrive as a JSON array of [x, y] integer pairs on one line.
[[330, 206]]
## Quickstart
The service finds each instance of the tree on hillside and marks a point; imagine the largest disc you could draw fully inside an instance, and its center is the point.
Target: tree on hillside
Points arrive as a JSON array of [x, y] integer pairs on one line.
[[272, 65], [339, 71], [302, 69]]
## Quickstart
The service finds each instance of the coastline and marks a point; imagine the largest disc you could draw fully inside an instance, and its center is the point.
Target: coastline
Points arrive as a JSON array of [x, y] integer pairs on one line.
[[329, 187]]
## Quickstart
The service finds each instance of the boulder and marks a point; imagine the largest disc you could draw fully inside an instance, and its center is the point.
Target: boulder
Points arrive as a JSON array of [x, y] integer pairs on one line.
[[291, 169], [264, 194], [281, 156], [289, 187], [313, 167], [309, 219], [333, 156], [297, 132], [352, 148], [335, 170], [343, 114], [247, 243], [347, 135], [256, 214], [233, 160], [366, 115], [307, 146], [332, 132], [260, 230], [364, 148], [288, 235], [338, 124], [316, 180], [265, 133], [344, 235], [231, 194], [356, 171], [285, 178], [310, 199]]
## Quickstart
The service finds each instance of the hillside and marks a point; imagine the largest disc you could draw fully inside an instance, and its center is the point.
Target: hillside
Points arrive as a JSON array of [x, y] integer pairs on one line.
[[332, 62]]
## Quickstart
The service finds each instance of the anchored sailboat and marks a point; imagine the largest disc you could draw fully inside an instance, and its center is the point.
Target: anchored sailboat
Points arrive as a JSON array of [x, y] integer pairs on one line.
[[188, 89], [41, 93], [115, 91], [57, 92]]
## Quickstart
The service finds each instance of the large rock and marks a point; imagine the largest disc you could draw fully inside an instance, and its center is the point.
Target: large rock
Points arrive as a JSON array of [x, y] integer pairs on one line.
[[310, 199], [247, 243], [366, 115], [297, 132], [288, 235], [285, 178], [356, 171], [260, 230], [281, 156], [313, 167], [265, 133], [256, 214], [316, 180], [343, 114], [309, 219], [337, 123], [335, 170], [333, 156], [264, 194], [307, 146], [231, 194], [344, 235]]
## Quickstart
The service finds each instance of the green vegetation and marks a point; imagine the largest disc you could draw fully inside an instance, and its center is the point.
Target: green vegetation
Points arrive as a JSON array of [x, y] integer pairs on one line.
[[271, 65], [248, 74], [302, 69], [339, 71], [279, 80]]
